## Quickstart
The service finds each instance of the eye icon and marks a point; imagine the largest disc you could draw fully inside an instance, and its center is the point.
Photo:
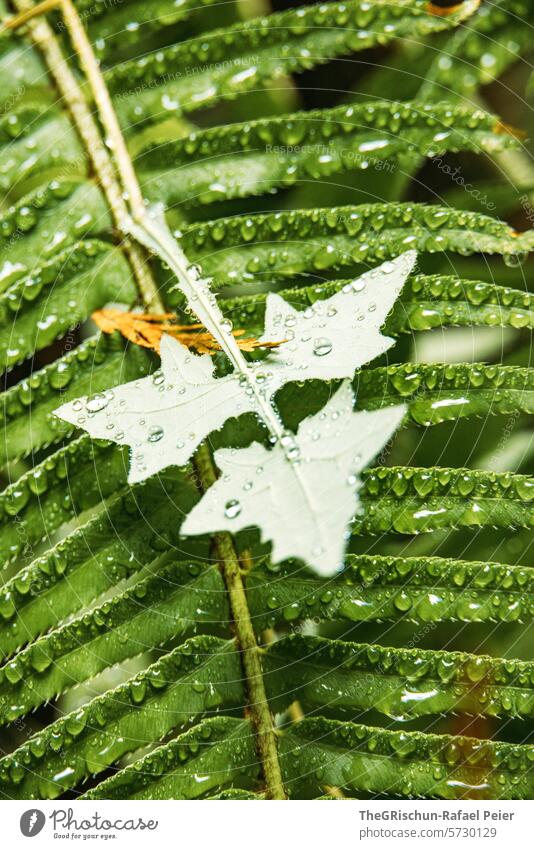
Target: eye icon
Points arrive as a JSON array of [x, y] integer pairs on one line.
[[32, 822]]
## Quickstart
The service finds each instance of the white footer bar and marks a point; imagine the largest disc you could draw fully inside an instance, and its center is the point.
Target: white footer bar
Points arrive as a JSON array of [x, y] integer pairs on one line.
[[264, 825]]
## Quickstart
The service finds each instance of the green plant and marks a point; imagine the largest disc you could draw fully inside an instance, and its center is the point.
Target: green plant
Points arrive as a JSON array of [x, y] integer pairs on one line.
[[99, 579]]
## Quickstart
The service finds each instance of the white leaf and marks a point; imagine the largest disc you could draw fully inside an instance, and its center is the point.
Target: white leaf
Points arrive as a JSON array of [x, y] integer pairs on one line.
[[304, 507], [335, 336], [164, 417]]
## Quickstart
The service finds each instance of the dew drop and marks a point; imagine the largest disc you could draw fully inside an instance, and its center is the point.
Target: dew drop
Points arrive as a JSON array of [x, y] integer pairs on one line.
[[96, 403], [232, 509], [322, 346], [155, 433]]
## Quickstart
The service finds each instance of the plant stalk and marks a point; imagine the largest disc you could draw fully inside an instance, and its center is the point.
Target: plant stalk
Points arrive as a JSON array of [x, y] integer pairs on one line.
[[119, 181], [44, 38], [258, 704]]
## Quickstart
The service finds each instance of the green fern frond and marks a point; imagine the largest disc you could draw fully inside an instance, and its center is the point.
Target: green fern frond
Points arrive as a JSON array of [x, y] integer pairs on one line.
[[286, 244], [39, 503], [41, 127], [319, 752], [241, 57], [201, 676], [118, 27], [28, 231], [438, 393], [216, 753], [278, 152], [379, 588], [135, 529], [401, 683], [33, 309], [471, 60], [443, 498], [100, 590], [178, 598]]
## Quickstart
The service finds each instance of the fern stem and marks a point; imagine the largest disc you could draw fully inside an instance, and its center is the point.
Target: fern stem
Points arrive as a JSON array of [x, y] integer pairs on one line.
[[259, 706], [43, 37], [115, 176], [105, 109]]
